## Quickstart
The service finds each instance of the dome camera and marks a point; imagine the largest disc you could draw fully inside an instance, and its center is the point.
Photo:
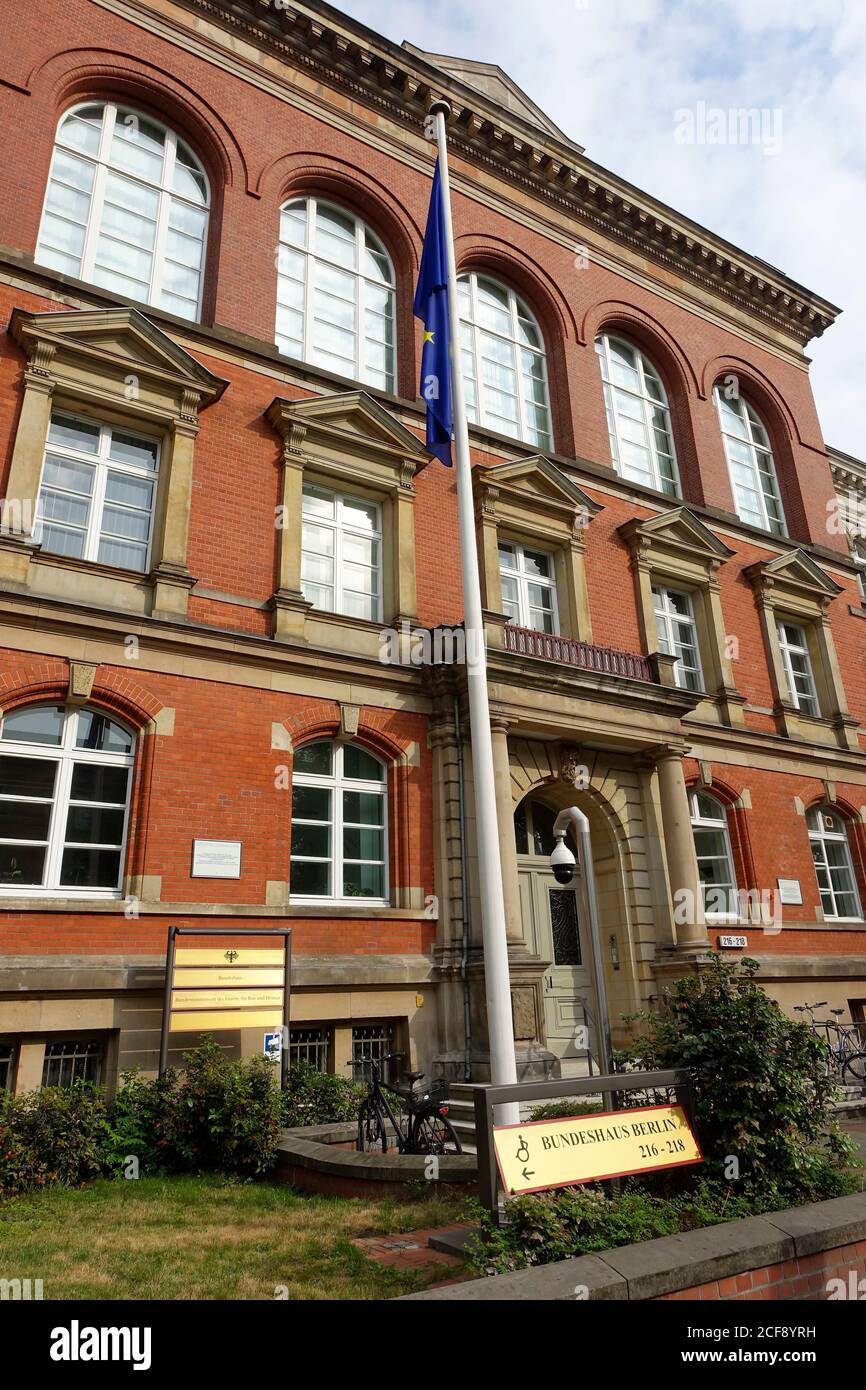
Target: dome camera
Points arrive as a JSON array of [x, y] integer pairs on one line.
[[563, 862]]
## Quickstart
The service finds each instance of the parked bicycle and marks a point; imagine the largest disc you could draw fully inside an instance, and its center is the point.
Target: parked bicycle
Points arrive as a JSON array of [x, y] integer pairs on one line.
[[417, 1124], [845, 1055]]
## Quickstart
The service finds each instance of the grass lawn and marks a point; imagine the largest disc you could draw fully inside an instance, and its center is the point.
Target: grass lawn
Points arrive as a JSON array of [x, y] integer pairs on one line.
[[205, 1238]]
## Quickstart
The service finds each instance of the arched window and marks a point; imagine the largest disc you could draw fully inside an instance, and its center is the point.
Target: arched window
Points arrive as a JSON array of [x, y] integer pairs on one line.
[[65, 778], [504, 362], [339, 825], [335, 293], [750, 463], [638, 416], [834, 869], [127, 208], [713, 850]]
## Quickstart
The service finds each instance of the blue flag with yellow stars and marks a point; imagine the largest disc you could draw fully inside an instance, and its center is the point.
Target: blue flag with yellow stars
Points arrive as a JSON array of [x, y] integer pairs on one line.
[[431, 306]]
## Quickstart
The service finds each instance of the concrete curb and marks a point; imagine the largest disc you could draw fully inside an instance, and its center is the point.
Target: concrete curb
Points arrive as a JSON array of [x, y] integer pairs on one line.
[[670, 1264]]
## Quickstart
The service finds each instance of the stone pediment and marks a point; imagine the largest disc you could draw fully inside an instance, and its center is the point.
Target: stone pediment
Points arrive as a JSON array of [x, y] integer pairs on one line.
[[795, 571], [494, 83], [679, 530], [111, 341], [537, 483], [341, 432]]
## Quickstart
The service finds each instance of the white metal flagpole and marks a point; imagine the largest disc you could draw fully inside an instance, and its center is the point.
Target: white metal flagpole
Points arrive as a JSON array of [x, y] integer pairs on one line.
[[496, 973]]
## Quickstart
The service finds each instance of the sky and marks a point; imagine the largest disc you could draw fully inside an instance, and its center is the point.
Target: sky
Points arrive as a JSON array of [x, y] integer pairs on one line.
[[617, 75]]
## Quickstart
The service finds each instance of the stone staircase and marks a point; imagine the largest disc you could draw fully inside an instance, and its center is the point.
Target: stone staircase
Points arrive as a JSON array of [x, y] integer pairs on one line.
[[851, 1102], [461, 1111]]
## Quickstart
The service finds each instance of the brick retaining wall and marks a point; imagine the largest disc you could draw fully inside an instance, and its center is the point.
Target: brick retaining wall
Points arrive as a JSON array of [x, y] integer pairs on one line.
[[783, 1256]]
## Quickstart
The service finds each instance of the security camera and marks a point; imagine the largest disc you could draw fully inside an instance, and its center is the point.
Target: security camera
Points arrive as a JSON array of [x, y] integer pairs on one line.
[[563, 862]]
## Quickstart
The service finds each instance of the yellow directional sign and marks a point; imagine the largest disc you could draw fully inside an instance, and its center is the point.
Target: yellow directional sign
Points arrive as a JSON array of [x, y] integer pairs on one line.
[[562, 1153]]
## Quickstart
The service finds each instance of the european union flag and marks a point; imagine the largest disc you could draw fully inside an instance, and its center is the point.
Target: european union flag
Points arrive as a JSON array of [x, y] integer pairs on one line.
[[431, 306]]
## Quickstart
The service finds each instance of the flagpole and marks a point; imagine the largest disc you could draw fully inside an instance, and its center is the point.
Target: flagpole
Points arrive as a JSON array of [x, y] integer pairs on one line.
[[497, 976]]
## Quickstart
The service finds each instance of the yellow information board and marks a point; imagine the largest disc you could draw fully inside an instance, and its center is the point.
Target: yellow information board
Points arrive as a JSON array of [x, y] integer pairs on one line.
[[213, 990], [221, 1021], [562, 1153]]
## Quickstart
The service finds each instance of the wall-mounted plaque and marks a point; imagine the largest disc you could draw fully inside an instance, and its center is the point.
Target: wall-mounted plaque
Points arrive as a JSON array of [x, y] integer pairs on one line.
[[790, 891], [216, 858]]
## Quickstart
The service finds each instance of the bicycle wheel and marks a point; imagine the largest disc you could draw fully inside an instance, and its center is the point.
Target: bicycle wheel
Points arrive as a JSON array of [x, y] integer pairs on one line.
[[371, 1129], [855, 1068], [433, 1134]]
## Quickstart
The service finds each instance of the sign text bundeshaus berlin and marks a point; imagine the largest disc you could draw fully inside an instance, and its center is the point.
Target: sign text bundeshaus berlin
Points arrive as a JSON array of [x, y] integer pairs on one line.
[[232, 988], [562, 1153]]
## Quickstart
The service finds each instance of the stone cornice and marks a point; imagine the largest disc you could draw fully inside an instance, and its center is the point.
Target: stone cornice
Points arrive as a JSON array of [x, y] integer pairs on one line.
[[849, 473], [401, 86]]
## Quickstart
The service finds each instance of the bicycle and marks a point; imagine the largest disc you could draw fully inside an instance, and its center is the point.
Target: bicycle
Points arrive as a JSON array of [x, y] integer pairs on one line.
[[423, 1128], [845, 1056]]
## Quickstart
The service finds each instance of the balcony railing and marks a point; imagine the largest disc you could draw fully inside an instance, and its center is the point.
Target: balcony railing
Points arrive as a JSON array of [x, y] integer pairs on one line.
[[602, 661]]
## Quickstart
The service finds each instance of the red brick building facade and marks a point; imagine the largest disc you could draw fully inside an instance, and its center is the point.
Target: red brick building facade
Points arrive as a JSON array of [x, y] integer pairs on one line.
[[217, 501]]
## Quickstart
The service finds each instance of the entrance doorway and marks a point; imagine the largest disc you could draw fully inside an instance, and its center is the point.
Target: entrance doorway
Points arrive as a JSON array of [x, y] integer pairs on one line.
[[553, 925]]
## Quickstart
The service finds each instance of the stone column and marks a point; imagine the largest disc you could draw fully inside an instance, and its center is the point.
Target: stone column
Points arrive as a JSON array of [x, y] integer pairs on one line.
[[507, 847], [404, 588], [171, 578], [290, 606], [682, 862], [18, 508]]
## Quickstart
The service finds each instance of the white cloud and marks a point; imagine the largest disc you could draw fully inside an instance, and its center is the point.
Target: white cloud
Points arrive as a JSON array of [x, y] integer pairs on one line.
[[613, 74]]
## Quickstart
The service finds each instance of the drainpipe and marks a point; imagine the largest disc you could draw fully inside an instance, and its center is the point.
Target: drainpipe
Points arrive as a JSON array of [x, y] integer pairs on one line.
[[573, 816], [464, 958]]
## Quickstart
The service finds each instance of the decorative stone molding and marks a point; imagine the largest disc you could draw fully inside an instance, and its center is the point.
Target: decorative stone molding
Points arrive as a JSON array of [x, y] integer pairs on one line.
[[570, 764], [81, 677], [676, 548], [352, 444], [793, 586], [516, 143], [350, 716], [111, 364], [533, 501]]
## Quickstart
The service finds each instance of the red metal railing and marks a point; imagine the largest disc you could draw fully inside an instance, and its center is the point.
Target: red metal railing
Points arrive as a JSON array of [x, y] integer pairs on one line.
[[604, 661]]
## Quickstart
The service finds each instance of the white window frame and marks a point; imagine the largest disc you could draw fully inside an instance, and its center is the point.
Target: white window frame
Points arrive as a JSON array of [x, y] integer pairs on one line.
[[336, 783], [101, 465], [518, 309], [66, 755], [312, 257], [523, 580], [819, 835], [648, 404], [340, 529], [799, 648], [749, 417], [699, 821], [102, 165], [666, 617]]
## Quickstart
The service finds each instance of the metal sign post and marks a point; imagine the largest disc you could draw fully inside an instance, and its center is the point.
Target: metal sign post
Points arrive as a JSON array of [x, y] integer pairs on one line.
[[243, 993]]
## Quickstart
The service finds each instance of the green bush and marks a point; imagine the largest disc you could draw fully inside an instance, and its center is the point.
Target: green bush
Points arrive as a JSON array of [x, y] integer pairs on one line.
[[138, 1125], [564, 1110], [218, 1115], [762, 1095], [52, 1136], [579, 1220], [316, 1098]]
